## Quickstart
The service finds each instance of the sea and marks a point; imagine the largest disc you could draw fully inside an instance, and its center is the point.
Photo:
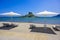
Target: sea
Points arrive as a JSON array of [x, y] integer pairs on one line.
[[43, 20]]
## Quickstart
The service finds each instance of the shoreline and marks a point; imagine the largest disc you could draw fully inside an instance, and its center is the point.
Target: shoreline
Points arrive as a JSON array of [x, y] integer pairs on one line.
[[29, 22]]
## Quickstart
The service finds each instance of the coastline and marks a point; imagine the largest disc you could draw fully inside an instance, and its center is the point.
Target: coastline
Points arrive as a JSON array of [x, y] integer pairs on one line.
[[26, 22], [29, 23]]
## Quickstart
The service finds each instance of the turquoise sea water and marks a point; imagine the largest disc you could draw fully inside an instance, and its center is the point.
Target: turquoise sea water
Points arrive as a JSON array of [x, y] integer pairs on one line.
[[47, 20]]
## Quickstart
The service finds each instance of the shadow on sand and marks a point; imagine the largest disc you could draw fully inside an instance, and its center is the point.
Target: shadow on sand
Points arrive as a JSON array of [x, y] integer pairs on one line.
[[7, 26], [42, 30]]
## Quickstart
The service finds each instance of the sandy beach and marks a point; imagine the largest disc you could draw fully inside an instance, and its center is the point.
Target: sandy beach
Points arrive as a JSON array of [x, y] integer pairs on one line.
[[22, 32]]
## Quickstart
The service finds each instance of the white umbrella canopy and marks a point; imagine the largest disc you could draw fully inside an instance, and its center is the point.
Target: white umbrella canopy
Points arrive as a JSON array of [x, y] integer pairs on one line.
[[11, 14], [46, 14]]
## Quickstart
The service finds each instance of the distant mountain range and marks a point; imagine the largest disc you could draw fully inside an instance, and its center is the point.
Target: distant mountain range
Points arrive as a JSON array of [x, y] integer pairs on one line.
[[57, 15]]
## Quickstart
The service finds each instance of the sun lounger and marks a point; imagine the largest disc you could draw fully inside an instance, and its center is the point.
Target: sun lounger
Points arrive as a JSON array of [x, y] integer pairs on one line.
[[32, 26], [56, 28], [8, 25]]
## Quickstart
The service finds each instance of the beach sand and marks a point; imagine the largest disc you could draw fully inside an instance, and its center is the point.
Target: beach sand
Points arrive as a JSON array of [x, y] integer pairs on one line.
[[22, 32]]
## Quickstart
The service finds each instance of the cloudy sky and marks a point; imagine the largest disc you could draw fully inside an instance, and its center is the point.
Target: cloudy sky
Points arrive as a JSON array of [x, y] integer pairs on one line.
[[25, 6]]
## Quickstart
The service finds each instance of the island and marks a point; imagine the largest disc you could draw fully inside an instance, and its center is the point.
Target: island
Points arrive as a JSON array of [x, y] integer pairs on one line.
[[29, 15]]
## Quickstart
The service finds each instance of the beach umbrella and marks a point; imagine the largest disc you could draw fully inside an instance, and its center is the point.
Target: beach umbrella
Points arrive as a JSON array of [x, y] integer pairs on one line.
[[46, 14], [11, 14]]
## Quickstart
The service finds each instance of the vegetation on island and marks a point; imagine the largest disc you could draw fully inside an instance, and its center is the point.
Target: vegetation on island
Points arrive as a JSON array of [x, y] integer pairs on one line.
[[30, 14]]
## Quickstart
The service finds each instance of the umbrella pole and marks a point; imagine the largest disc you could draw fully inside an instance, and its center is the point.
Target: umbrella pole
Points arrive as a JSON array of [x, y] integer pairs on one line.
[[11, 19], [45, 24]]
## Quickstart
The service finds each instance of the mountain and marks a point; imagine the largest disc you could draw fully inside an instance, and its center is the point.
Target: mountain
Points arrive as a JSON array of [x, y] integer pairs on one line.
[[29, 15], [57, 15]]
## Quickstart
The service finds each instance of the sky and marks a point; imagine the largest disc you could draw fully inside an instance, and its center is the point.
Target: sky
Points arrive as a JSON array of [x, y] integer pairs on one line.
[[25, 6]]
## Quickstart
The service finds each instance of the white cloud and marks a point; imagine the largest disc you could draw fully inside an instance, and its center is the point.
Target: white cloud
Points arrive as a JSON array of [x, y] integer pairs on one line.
[[46, 14], [11, 14]]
